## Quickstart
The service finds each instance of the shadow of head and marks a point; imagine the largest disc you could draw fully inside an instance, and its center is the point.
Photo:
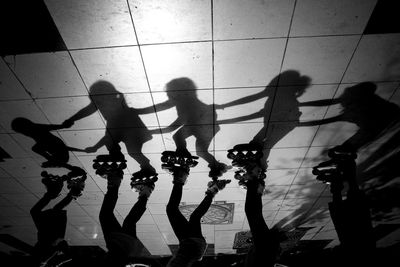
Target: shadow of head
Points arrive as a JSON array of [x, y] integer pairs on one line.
[[107, 99], [22, 125], [294, 80], [181, 89]]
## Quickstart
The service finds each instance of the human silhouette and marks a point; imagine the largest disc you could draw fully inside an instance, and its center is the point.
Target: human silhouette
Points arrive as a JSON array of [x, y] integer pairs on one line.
[[124, 247], [191, 112], [363, 107], [267, 137], [348, 209], [47, 144], [123, 124], [51, 248], [192, 244]]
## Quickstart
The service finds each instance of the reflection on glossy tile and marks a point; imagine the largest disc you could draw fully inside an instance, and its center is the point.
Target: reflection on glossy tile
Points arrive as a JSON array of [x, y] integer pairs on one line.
[[158, 21], [10, 87]]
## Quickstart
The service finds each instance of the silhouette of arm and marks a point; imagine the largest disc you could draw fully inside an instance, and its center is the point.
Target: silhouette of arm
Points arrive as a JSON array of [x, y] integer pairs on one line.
[[158, 107], [38, 207], [84, 112], [245, 100], [102, 142], [322, 102], [255, 115], [173, 126], [321, 122]]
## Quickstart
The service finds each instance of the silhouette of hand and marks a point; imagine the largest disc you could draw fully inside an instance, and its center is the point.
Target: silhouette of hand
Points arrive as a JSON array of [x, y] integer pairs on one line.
[[67, 123], [90, 149]]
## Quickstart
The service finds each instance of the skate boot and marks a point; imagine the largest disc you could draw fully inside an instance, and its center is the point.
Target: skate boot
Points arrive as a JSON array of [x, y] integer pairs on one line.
[[178, 164], [242, 154], [76, 182], [172, 160], [215, 186], [53, 183], [218, 169], [143, 181], [106, 165]]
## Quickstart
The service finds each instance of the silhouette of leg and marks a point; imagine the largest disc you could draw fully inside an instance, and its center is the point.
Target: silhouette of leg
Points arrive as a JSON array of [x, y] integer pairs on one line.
[[198, 213], [203, 141], [180, 138], [265, 243], [178, 222], [107, 218], [129, 224]]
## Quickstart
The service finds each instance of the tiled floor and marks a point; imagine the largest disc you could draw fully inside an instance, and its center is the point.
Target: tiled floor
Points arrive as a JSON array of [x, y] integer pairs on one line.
[[227, 50]]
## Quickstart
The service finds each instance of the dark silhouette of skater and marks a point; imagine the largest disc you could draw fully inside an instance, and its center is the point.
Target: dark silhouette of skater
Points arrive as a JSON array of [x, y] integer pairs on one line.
[[192, 244], [124, 247], [47, 144], [51, 248], [266, 138], [123, 124], [191, 112], [348, 209]]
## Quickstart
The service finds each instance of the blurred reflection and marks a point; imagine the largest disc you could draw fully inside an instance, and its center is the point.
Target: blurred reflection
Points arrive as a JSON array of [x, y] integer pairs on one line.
[[51, 248], [192, 112], [123, 124], [124, 247], [47, 145]]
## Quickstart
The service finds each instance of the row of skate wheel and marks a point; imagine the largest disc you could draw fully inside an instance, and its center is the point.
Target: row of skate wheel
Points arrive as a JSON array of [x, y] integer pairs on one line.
[[108, 164], [172, 160], [334, 169], [75, 181]]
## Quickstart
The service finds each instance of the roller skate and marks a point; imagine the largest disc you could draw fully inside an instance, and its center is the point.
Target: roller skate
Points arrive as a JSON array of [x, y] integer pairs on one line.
[[143, 181], [246, 158], [106, 165], [334, 170], [218, 169], [215, 186], [76, 181], [172, 160], [53, 183]]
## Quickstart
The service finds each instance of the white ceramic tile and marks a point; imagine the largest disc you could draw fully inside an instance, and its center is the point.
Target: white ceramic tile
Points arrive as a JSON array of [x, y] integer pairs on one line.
[[233, 134], [12, 186], [83, 139], [323, 59], [326, 17], [69, 107], [10, 87], [251, 19], [288, 134], [47, 74], [10, 146], [20, 168], [92, 23], [376, 59], [164, 63], [224, 239], [158, 21], [315, 155], [310, 190], [247, 63], [240, 105], [122, 67]]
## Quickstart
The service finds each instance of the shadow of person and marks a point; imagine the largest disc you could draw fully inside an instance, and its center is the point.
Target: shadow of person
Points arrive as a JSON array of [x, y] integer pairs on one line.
[[269, 135], [123, 124], [51, 247], [191, 113], [47, 144]]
